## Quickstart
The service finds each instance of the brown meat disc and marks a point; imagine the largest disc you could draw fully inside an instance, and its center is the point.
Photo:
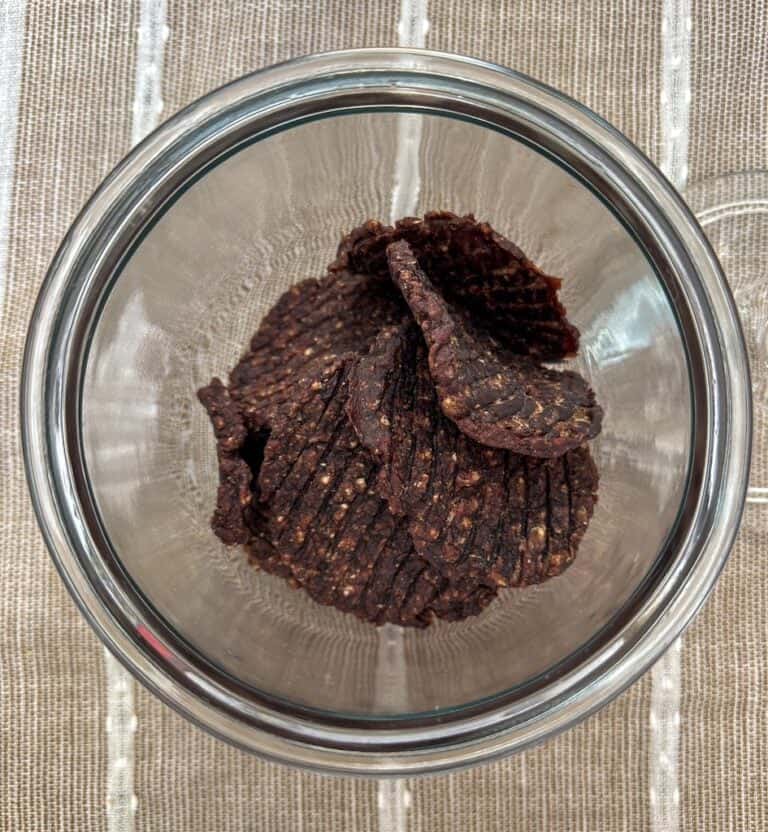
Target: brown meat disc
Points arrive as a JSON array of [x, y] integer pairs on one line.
[[482, 517], [359, 557], [496, 397], [234, 492], [312, 326], [479, 271], [331, 527]]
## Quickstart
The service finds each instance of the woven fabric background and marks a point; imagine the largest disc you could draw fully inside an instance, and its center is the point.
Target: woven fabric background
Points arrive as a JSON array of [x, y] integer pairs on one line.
[[70, 89]]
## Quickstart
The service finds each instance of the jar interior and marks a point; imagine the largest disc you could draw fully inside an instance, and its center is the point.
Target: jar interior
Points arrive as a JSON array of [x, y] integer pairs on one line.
[[183, 310]]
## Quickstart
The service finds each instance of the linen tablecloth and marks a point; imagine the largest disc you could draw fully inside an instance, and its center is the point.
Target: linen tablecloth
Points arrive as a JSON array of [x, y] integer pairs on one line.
[[83, 747]]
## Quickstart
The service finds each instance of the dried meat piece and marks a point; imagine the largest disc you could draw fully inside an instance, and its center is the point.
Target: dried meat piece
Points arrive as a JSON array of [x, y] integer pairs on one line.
[[496, 397], [478, 270], [581, 479], [311, 328], [332, 529], [482, 517], [418, 520], [234, 492], [238, 517], [224, 413], [393, 409], [353, 554]]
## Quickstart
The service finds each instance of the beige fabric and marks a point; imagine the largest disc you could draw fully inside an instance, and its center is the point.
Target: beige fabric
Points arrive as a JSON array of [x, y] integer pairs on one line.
[[77, 91], [729, 118], [75, 103]]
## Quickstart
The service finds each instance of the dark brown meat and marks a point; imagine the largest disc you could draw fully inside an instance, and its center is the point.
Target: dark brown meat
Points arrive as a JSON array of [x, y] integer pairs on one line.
[[334, 532], [340, 472], [477, 270], [311, 327], [234, 492], [495, 396], [481, 517]]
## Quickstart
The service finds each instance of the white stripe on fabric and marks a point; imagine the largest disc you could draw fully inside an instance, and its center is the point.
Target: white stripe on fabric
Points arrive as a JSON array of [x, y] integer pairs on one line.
[[677, 27], [121, 717], [665, 741], [394, 797], [147, 100], [121, 726], [12, 20], [757, 495], [412, 28]]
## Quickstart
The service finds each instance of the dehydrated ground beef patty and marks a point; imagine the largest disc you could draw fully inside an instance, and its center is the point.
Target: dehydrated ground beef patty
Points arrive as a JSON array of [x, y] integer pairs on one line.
[[382, 449], [478, 270], [480, 516], [332, 529], [310, 327], [495, 396]]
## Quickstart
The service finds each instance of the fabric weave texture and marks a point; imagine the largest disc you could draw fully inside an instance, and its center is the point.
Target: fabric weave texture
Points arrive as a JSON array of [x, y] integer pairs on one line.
[[68, 90]]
